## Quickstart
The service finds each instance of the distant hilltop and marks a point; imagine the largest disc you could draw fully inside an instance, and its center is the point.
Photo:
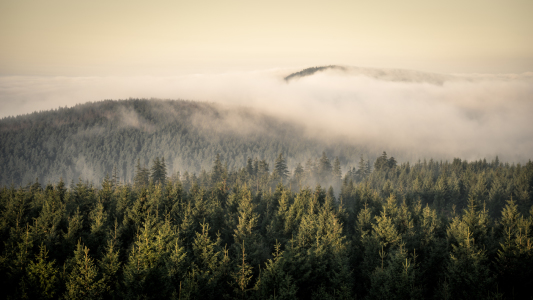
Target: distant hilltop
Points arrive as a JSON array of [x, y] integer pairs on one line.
[[311, 71], [398, 75]]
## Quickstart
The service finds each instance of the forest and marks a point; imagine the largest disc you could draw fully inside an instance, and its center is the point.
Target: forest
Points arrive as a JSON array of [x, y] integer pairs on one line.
[[90, 140], [381, 230]]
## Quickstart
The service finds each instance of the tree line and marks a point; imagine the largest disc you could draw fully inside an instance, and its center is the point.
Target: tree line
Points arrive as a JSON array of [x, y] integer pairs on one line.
[[427, 230]]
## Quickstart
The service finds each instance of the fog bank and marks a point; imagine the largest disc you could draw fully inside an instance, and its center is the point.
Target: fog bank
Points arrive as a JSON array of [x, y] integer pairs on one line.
[[419, 114]]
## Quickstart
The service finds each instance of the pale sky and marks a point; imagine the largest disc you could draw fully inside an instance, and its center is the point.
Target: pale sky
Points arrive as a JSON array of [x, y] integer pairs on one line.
[[165, 38]]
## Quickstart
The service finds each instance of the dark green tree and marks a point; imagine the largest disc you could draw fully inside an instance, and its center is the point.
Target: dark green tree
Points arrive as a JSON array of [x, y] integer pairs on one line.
[[83, 281], [382, 162], [141, 175], [280, 168], [158, 171]]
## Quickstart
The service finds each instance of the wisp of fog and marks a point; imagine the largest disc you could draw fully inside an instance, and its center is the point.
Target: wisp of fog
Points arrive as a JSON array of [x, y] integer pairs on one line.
[[418, 114]]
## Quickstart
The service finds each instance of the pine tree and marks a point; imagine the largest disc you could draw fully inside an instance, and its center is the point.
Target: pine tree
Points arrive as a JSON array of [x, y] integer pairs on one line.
[[382, 162], [250, 168], [217, 174], [43, 277], [467, 272], [242, 276], [158, 171], [324, 167], [110, 266], [115, 178], [83, 282], [246, 226], [391, 163], [274, 282], [515, 254], [204, 280], [362, 170], [337, 173], [298, 175], [396, 280], [98, 236], [145, 274], [280, 168], [384, 230], [141, 176]]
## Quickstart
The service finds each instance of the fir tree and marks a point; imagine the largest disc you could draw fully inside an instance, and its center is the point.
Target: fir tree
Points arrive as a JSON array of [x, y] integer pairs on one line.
[[141, 176], [280, 168], [381, 162], [242, 276], [275, 282], [43, 277], [83, 282], [159, 171], [324, 167]]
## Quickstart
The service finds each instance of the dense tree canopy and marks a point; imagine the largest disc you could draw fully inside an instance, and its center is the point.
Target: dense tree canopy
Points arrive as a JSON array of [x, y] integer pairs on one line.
[[119, 137], [459, 230]]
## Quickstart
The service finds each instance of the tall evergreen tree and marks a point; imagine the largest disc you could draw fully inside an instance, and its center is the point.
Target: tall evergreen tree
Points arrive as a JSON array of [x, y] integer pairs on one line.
[[280, 168], [141, 175], [382, 162], [83, 281], [298, 176], [336, 173], [218, 170], [324, 167], [158, 171], [43, 277]]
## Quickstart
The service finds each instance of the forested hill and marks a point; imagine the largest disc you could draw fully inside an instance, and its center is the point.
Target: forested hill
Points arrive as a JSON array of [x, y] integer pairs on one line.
[[395, 75], [89, 140]]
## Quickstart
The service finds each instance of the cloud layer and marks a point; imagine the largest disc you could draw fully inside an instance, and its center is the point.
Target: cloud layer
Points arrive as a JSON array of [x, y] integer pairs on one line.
[[417, 114]]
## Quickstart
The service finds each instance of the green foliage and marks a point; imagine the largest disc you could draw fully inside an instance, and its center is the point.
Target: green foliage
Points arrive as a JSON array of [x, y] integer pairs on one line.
[[467, 272], [414, 231], [395, 280], [515, 253], [275, 282], [145, 274], [158, 173], [122, 137], [280, 168], [83, 281], [43, 277]]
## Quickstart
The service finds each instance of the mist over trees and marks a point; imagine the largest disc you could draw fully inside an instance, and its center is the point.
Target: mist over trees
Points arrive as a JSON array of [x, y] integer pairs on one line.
[[424, 230], [118, 137], [151, 199]]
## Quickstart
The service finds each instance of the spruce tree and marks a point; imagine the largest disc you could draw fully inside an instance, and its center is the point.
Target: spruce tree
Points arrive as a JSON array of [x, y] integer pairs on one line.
[[83, 282], [298, 175], [336, 173], [381, 162], [467, 272], [217, 173], [274, 282], [43, 277], [110, 266], [324, 168], [280, 168], [158, 171], [242, 276], [141, 176], [515, 253]]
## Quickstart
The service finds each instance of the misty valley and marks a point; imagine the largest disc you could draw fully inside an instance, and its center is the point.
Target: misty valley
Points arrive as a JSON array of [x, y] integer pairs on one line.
[[163, 199]]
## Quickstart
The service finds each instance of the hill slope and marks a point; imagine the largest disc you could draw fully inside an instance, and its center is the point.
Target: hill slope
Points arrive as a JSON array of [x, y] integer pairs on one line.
[[89, 140]]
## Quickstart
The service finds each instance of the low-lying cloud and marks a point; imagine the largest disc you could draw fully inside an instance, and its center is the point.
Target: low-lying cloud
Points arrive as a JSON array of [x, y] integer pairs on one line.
[[418, 114]]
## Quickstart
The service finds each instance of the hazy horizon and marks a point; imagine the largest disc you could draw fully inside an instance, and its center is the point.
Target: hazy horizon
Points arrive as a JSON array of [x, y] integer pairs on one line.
[[451, 78], [170, 38], [416, 113]]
